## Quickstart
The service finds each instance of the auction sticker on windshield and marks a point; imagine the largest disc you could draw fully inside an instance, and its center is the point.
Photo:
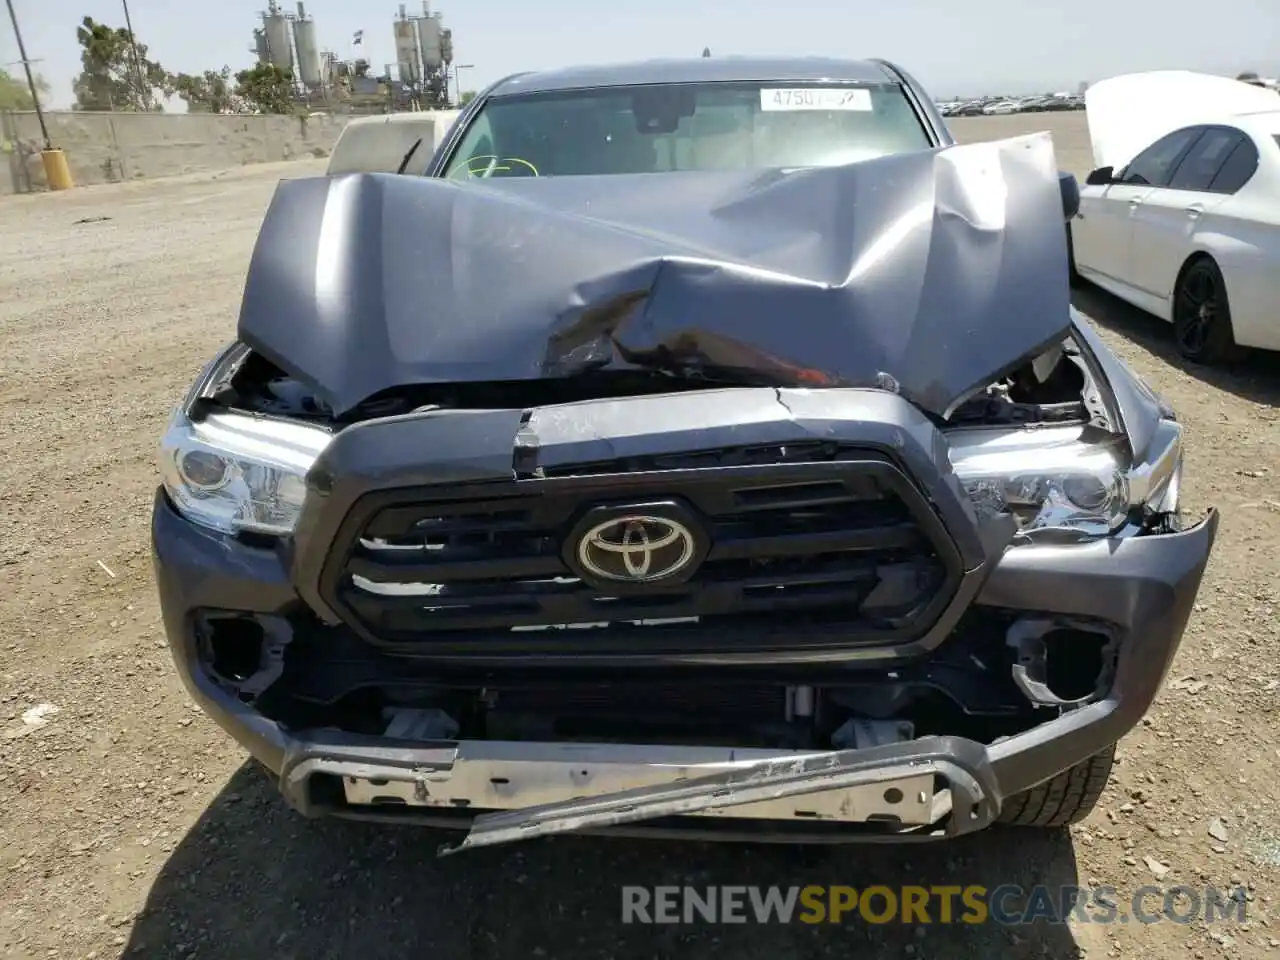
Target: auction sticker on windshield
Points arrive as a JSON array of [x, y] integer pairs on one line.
[[815, 98]]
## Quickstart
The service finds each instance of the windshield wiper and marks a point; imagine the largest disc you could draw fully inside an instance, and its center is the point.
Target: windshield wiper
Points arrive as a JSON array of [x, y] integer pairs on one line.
[[409, 156]]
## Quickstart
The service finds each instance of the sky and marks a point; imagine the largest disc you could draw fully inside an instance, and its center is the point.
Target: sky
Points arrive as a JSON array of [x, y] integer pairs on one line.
[[953, 48]]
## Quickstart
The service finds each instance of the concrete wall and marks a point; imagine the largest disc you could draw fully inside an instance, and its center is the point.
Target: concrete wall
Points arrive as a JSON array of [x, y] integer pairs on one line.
[[110, 147]]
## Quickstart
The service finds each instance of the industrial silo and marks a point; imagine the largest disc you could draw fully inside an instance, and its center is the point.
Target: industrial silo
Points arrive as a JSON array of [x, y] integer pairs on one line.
[[259, 47], [446, 46], [408, 65], [429, 37], [304, 38], [279, 44]]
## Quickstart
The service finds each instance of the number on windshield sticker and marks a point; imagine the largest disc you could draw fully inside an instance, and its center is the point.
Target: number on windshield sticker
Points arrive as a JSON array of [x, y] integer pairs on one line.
[[816, 98]]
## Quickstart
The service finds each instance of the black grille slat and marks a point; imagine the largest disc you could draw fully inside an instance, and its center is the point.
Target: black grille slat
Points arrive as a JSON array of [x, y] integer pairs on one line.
[[414, 569], [802, 538], [897, 537], [414, 523], [712, 599]]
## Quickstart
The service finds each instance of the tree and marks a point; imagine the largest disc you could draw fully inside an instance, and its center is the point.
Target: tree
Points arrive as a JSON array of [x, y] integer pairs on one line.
[[466, 97], [208, 93], [266, 88], [111, 79], [14, 94]]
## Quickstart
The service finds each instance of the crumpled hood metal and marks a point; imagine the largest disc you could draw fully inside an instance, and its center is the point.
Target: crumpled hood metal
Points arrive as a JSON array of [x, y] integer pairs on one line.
[[930, 273]]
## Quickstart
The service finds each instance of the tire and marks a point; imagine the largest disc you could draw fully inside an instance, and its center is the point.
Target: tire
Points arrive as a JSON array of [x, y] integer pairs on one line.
[[1066, 799], [1202, 315]]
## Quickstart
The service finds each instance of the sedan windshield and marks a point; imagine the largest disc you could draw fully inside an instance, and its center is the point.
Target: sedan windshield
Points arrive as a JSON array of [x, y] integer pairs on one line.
[[663, 128]]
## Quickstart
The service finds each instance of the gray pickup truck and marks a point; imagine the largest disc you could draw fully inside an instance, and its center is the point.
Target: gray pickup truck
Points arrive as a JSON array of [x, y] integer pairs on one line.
[[696, 448]]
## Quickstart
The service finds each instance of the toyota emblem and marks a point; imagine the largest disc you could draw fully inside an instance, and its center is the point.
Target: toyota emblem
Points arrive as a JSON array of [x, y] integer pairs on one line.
[[637, 549]]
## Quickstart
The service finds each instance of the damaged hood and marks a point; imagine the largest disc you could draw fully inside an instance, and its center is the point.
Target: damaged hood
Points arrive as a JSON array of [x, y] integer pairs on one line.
[[1128, 113], [929, 273]]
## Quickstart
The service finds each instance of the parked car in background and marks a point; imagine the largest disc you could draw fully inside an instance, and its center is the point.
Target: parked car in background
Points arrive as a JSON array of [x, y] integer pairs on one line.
[[1055, 104], [1182, 216], [1001, 107]]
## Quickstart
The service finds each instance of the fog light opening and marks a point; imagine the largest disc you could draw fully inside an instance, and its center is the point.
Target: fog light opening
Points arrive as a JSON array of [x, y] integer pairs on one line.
[[1060, 665], [243, 653], [236, 648], [1074, 663]]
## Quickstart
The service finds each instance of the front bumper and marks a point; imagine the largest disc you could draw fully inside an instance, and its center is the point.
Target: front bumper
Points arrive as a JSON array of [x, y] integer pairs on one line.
[[1145, 587], [762, 794]]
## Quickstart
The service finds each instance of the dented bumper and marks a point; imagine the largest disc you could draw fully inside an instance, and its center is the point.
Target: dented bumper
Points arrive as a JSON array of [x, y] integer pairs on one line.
[[1144, 587], [935, 786]]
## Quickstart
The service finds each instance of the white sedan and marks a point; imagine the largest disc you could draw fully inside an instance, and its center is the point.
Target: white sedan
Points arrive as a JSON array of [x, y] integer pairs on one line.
[[1182, 216], [1002, 107]]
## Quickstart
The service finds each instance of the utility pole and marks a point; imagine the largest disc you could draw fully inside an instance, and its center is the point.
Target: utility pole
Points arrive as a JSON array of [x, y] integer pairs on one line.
[[457, 81], [31, 80], [144, 91]]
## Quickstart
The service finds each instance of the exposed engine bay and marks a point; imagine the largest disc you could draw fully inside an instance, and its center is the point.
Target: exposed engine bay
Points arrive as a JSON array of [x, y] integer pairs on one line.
[[1057, 386]]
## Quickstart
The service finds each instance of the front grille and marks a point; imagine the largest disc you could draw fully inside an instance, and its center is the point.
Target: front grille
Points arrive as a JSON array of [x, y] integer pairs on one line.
[[816, 543]]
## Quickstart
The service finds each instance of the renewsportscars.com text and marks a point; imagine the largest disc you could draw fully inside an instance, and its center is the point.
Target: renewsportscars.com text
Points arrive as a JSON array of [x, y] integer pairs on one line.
[[1006, 905]]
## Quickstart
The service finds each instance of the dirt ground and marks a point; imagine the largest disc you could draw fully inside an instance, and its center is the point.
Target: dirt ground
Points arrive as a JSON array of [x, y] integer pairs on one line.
[[129, 824]]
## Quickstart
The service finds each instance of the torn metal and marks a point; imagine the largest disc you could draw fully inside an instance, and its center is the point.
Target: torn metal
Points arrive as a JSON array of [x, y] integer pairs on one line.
[[929, 273], [514, 775], [893, 768]]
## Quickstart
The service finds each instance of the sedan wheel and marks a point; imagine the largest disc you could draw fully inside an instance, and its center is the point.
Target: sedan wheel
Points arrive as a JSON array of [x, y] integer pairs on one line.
[[1201, 316]]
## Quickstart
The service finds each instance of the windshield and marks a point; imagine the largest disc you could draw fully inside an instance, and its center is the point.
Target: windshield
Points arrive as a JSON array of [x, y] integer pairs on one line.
[[663, 128]]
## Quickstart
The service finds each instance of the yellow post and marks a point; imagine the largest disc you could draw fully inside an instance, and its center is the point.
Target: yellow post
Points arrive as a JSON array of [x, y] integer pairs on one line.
[[56, 171]]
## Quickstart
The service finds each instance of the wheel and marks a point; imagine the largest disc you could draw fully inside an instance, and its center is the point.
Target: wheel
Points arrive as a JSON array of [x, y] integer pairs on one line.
[[1202, 316], [1067, 798]]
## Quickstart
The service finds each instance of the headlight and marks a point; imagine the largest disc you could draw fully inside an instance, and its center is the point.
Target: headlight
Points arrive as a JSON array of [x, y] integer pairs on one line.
[[1051, 478], [237, 473], [1045, 478]]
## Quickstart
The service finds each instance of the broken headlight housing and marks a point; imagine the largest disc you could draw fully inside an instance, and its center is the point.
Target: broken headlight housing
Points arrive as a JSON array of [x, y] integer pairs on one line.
[[238, 473], [1156, 483], [1053, 478]]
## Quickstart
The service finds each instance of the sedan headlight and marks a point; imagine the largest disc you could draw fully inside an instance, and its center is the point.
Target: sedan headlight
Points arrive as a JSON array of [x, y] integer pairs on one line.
[[1051, 478], [238, 473]]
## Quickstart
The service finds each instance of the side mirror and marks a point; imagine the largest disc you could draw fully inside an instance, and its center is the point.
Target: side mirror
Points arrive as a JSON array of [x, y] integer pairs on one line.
[[1070, 195], [1100, 177]]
